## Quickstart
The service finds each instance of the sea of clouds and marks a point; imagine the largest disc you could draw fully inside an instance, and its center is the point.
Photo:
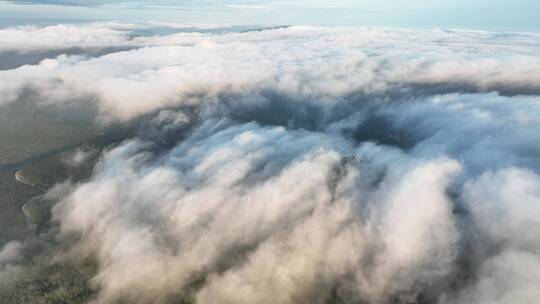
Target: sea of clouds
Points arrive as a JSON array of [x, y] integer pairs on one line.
[[299, 164]]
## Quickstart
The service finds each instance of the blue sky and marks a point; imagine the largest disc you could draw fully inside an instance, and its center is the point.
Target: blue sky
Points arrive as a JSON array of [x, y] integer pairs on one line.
[[474, 14]]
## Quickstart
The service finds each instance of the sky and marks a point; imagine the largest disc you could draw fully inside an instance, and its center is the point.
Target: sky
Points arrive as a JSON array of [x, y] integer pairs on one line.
[[464, 14]]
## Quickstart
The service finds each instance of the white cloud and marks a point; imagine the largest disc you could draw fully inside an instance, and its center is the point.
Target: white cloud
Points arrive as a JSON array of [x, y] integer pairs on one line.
[[305, 164], [317, 63], [28, 38], [10, 252]]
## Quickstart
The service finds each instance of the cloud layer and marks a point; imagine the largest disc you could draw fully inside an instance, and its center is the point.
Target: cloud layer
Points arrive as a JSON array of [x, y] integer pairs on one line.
[[303, 165]]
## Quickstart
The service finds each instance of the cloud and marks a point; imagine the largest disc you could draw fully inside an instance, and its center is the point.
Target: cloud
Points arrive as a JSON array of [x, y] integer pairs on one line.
[[10, 252], [29, 38], [320, 64], [292, 227], [505, 207], [302, 164], [9, 255]]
